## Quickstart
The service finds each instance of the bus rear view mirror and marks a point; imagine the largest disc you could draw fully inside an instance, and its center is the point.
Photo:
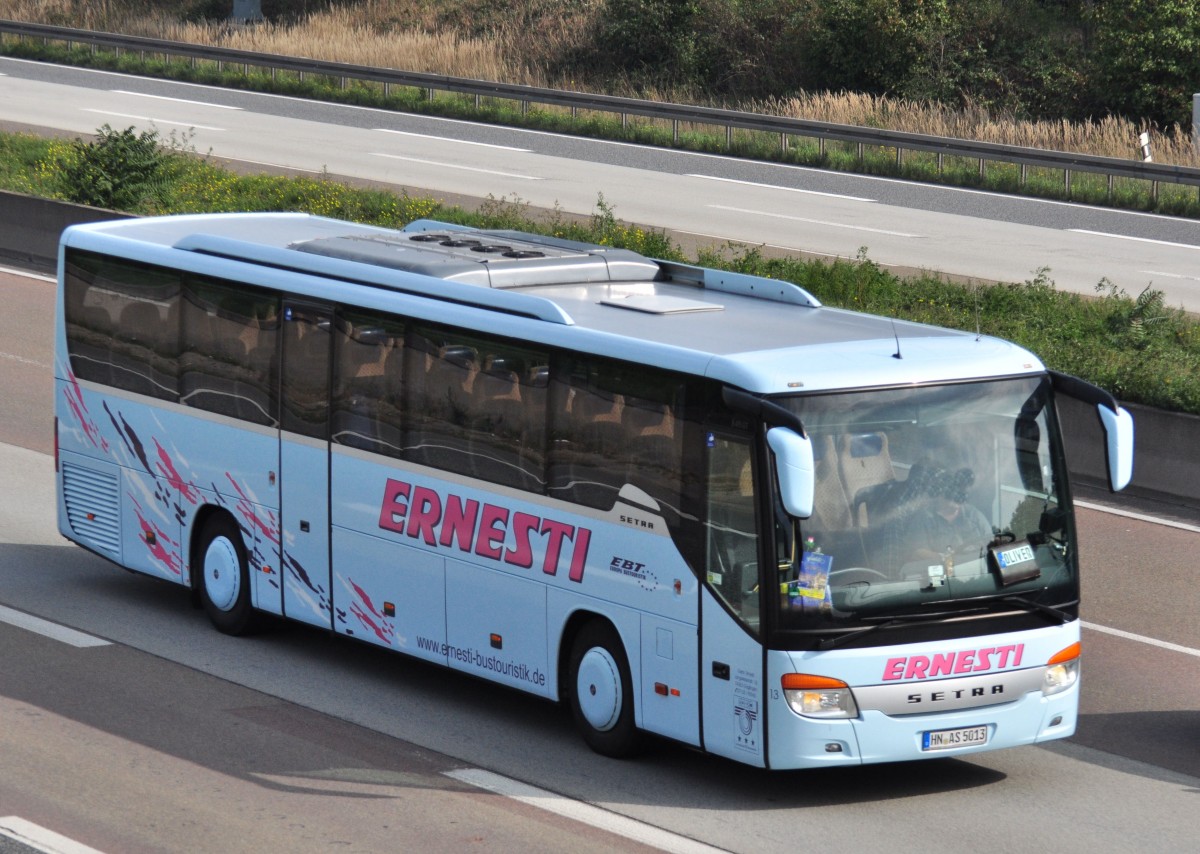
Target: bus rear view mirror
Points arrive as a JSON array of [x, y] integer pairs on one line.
[[794, 470], [1118, 434]]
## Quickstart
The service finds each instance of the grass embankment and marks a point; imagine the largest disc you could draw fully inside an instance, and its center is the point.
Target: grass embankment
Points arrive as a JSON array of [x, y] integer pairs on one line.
[[1133, 345]]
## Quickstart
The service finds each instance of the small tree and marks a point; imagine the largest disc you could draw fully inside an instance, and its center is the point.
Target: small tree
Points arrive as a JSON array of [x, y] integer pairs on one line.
[[121, 170], [1148, 53], [870, 45]]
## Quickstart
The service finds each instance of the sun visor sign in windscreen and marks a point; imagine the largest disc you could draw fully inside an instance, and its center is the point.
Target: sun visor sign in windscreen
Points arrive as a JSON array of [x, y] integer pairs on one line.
[[1014, 562]]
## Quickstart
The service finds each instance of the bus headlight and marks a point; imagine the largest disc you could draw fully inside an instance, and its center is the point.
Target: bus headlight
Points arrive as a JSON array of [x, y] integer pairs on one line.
[[1062, 671], [819, 696]]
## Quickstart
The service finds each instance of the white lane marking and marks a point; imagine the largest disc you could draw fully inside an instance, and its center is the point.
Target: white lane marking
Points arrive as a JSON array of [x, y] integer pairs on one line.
[[176, 100], [812, 221], [456, 166], [1129, 514], [452, 139], [735, 242], [150, 119], [678, 151], [48, 629], [13, 271], [13, 357], [630, 828], [21, 360], [1169, 275], [1173, 647], [36, 836], [777, 187], [1118, 632], [683, 152], [1183, 526], [1138, 239], [276, 165]]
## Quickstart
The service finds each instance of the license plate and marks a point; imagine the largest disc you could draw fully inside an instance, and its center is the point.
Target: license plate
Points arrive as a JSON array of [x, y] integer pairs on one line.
[[1020, 554], [944, 739]]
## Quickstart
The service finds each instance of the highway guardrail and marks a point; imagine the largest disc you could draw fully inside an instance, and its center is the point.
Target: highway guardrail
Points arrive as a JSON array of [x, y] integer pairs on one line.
[[901, 141]]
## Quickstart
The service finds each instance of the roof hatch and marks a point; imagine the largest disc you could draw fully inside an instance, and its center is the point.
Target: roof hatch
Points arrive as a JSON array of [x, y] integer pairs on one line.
[[490, 259], [661, 304]]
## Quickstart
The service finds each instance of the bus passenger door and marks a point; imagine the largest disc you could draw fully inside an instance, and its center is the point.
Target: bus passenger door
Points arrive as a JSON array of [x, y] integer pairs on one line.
[[304, 462], [731, 664]]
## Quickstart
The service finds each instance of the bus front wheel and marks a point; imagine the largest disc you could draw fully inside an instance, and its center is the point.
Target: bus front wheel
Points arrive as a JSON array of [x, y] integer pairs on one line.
[[225, 576], [602, 691]]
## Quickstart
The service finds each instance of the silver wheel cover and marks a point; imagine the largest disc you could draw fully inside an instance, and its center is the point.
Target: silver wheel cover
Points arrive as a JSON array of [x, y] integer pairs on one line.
[[222, 574], [598, 689]]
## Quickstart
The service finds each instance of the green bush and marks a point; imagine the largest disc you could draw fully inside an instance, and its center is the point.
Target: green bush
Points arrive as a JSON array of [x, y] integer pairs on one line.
[[1148, 57], [121, 170]]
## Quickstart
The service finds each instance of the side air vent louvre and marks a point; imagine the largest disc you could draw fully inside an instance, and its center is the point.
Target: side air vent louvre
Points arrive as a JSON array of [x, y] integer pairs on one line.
[[91, 498]]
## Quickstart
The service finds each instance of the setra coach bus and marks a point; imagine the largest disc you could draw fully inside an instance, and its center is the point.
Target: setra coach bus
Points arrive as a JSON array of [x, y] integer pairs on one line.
[[680, 500]]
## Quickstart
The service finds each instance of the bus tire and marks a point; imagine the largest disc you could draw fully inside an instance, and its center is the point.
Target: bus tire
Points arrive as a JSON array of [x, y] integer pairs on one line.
[[601, 691], [225, 576]]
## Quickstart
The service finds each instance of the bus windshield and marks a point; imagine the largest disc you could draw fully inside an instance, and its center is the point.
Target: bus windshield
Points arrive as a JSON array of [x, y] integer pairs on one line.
[[930, 501]]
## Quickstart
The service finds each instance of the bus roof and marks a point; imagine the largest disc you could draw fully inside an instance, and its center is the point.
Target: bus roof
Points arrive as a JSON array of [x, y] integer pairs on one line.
[[760, 334]]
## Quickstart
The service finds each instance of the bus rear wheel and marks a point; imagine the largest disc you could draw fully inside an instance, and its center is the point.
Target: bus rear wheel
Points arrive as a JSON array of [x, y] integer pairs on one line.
[[601, 691], [225, 576]]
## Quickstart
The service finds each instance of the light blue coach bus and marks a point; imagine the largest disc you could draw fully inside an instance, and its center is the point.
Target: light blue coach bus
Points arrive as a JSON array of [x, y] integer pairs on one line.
[[682, 501]]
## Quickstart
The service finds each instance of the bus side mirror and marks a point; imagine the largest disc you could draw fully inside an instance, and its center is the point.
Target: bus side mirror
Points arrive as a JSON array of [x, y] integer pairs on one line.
[[1117, 423], [1118, 433], [795, 470]]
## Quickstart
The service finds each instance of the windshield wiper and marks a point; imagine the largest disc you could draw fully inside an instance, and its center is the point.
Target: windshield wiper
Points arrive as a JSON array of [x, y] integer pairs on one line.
[[885, 623], [1056, 615]]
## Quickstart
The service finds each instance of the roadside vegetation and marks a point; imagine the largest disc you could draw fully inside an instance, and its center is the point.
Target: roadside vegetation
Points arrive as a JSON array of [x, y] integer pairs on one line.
[[1084, 76], [1132, 344]]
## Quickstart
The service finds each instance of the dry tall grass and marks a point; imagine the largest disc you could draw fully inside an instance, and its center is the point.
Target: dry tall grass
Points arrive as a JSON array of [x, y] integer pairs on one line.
[[410, 35], [1106, 137], [339, 36]]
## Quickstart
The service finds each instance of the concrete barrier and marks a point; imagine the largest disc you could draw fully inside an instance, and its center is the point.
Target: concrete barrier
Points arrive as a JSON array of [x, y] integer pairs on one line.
[[1167, 454], [30, 227], [1166, 460]]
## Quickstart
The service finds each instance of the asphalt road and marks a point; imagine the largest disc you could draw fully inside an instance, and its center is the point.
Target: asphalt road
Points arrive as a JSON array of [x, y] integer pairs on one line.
[[702, 199], [172, 737]]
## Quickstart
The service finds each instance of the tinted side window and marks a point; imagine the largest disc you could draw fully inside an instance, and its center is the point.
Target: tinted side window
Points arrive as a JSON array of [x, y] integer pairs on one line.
[[123, 324], [367, 373], [731, 541], [507, 417], [229, 353], [305, 376], [439, 374], [616, 423], [476, 406]]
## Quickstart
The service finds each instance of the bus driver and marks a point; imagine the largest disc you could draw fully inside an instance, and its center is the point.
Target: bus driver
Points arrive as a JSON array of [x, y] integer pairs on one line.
[[945, 522]]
